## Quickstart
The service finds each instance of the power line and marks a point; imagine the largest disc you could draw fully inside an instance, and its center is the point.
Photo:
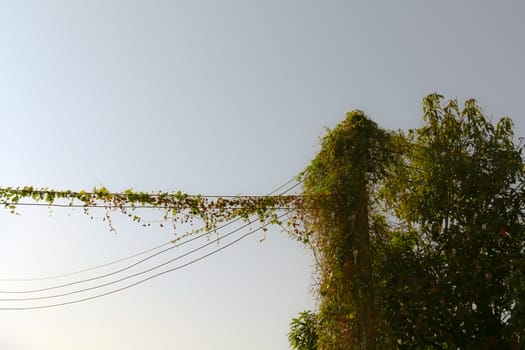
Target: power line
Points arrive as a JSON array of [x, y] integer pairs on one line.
[[134, 255], [123, 269], [113, 262], [286, 184], [112, 206], [86, 269], [168, 195], [152, 194], [143, 280], [72, 195]]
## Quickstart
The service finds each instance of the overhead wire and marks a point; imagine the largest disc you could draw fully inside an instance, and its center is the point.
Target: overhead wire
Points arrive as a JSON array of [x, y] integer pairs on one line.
[[76, 272], [142, 280], [92, 206], [129, 266], [148, 250], [143, 206], [110, 274]]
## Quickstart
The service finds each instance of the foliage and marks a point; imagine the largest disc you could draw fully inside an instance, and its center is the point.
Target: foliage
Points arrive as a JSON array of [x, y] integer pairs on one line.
[[454, 273], [177, 207], [439, 259], [353, 156], [303, 331]]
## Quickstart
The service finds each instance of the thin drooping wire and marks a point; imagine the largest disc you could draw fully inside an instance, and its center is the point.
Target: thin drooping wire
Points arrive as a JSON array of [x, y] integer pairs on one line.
[[86, 269], [143, 280], [173, 246], [118, 280], [145, 251], [126, 267], [293, 179], [297, 183]]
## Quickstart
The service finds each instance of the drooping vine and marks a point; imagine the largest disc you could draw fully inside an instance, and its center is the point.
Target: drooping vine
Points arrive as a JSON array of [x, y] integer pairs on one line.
[[176, 207]]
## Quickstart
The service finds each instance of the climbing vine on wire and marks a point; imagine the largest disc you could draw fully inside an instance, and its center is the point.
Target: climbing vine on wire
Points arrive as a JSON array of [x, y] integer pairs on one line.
[[176, 207]]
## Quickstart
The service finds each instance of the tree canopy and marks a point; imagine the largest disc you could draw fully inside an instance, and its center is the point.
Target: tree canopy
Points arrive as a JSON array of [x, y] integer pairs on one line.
[[420, 237], [454, 271]]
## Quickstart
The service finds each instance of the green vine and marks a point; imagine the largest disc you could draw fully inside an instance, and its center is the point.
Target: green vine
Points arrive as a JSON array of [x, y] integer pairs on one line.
[[353, 157], [176, 207]]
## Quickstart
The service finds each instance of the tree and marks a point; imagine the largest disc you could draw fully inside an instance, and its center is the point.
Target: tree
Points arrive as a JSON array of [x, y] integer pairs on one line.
[[456, 265], [303, 331], [420, 237]]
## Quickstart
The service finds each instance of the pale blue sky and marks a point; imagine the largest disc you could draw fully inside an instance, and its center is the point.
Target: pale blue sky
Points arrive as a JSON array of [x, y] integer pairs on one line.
[[213, 97]]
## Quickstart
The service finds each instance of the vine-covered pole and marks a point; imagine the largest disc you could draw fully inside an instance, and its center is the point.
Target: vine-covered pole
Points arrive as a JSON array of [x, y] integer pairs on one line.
[[338, 187], [364, 262]]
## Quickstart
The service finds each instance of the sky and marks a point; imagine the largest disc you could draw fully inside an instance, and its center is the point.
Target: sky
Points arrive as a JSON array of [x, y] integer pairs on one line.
[[212, 97]]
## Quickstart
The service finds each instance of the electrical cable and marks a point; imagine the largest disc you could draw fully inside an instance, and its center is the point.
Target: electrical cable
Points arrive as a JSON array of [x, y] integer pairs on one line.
[[118, 280], [43, 191], [122, 269], [71, 205], [85, 269], [143, 280], [129, 257], [93, 206]]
